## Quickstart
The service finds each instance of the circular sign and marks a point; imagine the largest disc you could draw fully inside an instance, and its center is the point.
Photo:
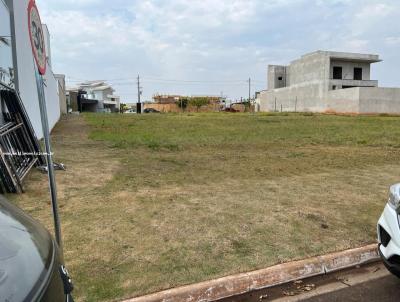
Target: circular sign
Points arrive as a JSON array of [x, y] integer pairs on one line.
[[36, 37]]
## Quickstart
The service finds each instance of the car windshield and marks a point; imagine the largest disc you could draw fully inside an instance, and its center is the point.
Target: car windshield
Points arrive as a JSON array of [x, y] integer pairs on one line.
[[25, 254]]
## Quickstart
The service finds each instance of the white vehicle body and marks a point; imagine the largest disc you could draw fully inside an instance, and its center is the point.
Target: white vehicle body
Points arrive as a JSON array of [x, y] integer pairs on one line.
[[388, 229]]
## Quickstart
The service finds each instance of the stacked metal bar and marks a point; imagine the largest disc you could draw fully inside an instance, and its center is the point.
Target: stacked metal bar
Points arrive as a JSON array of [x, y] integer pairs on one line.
[[19, 147]]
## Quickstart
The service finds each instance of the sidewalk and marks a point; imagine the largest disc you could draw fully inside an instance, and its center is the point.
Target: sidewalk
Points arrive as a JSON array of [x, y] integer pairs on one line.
[[241, 284]]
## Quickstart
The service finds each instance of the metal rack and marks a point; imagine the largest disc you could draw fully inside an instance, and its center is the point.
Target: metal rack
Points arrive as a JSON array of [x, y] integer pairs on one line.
[[19, 147]]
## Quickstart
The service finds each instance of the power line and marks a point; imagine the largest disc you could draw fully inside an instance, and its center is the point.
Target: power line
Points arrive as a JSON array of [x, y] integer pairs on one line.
[[193, 81], [183, 84], [121, 82], [157, 79]]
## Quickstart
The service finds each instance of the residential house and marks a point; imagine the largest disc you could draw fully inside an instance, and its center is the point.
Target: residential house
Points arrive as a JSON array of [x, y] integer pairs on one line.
[[93, 96], [327, 81]]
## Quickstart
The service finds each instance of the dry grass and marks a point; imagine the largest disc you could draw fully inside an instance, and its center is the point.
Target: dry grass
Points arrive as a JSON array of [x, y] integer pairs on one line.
[[151, 202]]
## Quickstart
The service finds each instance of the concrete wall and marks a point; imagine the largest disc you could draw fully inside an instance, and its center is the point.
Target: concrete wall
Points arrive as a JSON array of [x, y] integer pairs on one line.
[[307, 97], [61, 93], [26, 73], [162, 107], [357, 100], [364, 100], [277, 76], [307, 86], [338, 84], [309, 68], [343, 100], [379, 100]]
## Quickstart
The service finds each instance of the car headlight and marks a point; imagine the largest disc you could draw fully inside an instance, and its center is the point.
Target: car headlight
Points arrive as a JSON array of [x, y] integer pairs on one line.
[[394, 196]]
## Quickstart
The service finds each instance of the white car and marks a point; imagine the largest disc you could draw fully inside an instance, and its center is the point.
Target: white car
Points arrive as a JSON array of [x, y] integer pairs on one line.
[[389, 232]]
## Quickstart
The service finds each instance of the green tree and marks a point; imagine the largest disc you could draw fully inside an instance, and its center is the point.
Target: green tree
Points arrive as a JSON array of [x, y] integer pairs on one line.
[[122, 107], [198, 102], [182, 103]]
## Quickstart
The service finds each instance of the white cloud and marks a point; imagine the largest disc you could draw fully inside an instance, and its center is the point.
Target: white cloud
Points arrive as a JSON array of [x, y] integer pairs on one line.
[[208, 39], [392, 41], [374, 10]]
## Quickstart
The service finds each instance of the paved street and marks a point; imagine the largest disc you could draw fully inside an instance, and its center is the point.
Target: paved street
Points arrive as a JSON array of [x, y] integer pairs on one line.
[[367, 283], [384, 289]]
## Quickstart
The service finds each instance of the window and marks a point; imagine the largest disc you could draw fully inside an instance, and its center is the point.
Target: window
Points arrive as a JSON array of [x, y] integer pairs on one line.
[[358, 74], [334, 87], [280, 78], [337, 72]]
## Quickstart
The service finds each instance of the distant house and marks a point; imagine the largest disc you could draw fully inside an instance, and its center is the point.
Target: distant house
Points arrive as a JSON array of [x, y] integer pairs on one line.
[[174, 99], [328, 81], [93, 96], [167, 99], [179, 103]]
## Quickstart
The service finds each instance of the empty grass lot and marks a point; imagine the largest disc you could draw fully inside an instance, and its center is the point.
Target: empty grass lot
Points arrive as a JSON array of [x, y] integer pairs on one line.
[[156, 201]]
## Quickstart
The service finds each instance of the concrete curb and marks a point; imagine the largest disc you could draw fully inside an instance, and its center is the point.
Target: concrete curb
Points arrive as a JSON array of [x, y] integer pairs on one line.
[[241, 283]]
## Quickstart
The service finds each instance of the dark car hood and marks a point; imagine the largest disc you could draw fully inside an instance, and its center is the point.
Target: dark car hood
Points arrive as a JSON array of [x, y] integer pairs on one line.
[[26, 254]]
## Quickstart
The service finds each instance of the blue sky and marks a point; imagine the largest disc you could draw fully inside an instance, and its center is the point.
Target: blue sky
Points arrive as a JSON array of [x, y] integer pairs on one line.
[[209, 46]]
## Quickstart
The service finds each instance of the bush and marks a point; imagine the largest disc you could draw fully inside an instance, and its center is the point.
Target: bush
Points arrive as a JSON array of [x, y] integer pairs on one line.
[[198, 102], [182, 103]]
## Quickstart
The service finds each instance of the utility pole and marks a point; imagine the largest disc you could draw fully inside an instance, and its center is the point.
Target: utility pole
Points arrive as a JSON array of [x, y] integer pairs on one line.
[[249, 89], [138, 88], [249, 95], [139, 92]]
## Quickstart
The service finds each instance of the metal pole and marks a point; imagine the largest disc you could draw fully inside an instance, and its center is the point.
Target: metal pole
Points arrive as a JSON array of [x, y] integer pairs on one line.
[[138, 88], [249, 90], [49, 159]]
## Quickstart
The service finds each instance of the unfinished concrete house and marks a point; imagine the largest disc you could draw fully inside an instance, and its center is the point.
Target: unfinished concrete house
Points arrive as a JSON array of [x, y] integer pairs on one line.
[[327, 81]]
